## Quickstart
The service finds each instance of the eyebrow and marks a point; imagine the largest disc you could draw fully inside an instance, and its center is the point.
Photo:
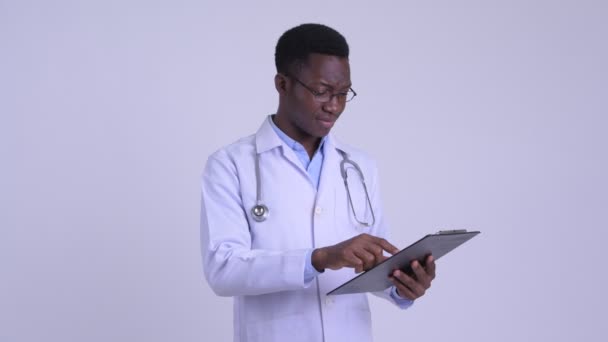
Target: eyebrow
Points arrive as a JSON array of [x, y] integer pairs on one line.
[[333, 88]]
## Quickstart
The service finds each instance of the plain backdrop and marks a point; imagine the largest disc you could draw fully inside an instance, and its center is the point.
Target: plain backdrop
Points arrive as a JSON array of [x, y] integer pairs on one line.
[[483, 115]]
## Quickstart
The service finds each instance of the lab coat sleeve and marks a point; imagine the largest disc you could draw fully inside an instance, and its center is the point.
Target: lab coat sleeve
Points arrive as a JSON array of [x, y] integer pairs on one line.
[[381, 230], [231, 267]]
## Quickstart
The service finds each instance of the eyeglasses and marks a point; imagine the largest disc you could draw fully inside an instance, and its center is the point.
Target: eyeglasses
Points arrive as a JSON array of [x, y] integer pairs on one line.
[[325, 95]]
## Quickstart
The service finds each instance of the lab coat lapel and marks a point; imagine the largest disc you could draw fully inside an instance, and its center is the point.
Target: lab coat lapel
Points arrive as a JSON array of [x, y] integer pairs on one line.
[[331, 167], [266, 139], [291, 156]]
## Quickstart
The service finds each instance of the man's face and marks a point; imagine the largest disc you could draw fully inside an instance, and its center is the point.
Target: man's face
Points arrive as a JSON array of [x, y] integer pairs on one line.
[[309, 116]]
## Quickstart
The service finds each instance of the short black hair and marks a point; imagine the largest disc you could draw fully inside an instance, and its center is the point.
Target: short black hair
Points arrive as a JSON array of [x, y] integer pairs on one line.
[[297, 43]]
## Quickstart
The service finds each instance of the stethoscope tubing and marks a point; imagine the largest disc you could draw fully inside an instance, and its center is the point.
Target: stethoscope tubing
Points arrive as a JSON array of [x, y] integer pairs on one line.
[[260, 212]]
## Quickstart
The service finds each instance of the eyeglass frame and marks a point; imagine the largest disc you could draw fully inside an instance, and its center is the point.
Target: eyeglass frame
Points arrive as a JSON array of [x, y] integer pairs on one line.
[[317, 94]]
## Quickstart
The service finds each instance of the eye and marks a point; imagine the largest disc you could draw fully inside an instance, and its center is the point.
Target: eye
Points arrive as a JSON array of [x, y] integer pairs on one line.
[[321, 92]]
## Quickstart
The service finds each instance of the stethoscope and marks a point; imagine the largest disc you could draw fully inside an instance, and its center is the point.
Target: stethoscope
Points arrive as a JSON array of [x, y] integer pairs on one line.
[[259, 211]]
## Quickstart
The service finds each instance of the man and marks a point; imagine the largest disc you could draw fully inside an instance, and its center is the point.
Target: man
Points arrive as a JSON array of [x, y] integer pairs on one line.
[[279, 228]]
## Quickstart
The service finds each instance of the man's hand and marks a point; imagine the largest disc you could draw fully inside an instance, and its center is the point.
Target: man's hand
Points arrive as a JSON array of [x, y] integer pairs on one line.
[[414, 286], [362, 252]]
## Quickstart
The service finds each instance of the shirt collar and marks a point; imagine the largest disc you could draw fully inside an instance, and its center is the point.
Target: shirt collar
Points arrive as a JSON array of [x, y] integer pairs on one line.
[[268, 138]]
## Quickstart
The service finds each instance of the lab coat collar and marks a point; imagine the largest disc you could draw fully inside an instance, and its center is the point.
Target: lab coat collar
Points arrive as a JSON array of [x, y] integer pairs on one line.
[[266, 139]]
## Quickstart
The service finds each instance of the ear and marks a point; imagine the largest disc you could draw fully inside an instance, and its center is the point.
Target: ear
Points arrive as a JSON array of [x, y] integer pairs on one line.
[[281, 83]]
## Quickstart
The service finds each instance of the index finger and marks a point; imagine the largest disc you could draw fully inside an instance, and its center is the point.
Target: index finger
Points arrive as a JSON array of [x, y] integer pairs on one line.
[[387, 246]]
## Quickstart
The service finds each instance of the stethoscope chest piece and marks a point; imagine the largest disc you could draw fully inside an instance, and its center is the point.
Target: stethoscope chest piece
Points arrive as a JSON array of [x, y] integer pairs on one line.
[[259, 212]]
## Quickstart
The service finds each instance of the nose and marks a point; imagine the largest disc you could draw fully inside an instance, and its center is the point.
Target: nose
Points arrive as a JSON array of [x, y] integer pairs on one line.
[[334, 105]]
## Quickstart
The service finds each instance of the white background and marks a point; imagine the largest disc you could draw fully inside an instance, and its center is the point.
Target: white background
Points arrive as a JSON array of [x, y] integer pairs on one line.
[[483, 115]]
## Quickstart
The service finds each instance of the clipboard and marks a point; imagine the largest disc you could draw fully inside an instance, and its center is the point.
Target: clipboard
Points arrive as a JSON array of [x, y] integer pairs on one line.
[[376, 278]]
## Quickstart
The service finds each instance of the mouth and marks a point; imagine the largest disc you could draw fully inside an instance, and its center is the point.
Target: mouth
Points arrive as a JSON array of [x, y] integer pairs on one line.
[[326, 122]]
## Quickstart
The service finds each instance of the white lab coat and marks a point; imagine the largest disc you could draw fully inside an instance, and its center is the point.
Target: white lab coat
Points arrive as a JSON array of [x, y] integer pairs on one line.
[[261, 264]]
